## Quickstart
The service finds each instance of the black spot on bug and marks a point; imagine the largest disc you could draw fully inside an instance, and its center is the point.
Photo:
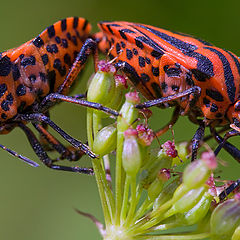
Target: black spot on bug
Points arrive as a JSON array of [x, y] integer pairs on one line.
[[64, 25], [28, 61], [51, 75], [67, 59], [5, 66], [206, 102], [112, 41], [123, 44], [200, 76], [3, 116], [218, 115], [85, 24], [141, 61], [68, 36], [49, 49], [75, 22], [155, 71], [9, 99], [3, 89], [58, 40], [135, 51], [110, 56], [62, 71], [39, 92], [32, 78], [74, 40], [118, 48], [164, 87], [21, 107], [156, 88], [4, 106], [75, 53], [172, 72], [21, 90], [129, 54], [51, 31], [54, 48], [45, 59], [64, 43], [38, 42], [156, 54], [216, 95], [21, 56], [15, 72], [57, 63], [43, 76], [145, 77], [214, 108], [138, 43], [110, 29], [148, 61], [175, 87]]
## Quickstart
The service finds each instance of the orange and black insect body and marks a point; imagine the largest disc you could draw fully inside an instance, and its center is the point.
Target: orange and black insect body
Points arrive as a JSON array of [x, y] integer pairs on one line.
[[34, 76], [172, 69]]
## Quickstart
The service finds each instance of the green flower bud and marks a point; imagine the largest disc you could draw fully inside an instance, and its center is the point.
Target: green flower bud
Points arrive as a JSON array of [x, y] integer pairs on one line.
[[156, 186], [197, 173], [166, 193], [128, 112], [182, 149], [225, 219], [198, 212], [236, 234], [187, 201], [131, 156], [105, 140], [102, 87], [158, 159]]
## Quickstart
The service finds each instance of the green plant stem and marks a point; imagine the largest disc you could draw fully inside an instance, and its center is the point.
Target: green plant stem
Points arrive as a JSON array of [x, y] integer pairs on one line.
[[133, 202], [118, 177], [125, 199], [98, 171], [175, 237], [144, 207]]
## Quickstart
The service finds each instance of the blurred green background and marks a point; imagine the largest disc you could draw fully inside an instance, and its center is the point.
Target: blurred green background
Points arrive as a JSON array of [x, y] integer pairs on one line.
[[38, 203]]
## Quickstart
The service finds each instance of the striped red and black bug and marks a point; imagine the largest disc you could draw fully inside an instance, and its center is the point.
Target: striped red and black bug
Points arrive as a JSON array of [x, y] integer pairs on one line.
[[38, 74]]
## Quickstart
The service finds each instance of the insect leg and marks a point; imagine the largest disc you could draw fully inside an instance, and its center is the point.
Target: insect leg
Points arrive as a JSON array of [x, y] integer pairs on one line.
[[39, 117], [56, 97], [15, 154], [66, 153], [232, 150], [88, 48], [193, 90], [38, 149], [229, 190], [173, 120]]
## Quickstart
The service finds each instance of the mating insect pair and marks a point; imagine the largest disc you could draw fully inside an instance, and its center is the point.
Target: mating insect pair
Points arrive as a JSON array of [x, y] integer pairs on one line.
[[169, 69]]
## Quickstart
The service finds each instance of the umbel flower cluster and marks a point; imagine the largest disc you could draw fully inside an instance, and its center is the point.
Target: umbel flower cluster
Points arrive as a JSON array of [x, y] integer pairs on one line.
[[148, 198]]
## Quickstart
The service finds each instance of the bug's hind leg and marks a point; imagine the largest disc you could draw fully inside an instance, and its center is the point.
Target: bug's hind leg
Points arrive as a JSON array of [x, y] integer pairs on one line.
[[41, 118], [38, 149], [68, 153], [229, 190]]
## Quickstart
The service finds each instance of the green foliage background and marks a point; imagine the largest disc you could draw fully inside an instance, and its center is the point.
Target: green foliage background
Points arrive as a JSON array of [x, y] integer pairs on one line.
[[38, 203]]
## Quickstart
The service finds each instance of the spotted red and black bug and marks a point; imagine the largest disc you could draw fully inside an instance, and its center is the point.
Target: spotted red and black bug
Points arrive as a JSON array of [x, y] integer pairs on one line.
[[38, 74]]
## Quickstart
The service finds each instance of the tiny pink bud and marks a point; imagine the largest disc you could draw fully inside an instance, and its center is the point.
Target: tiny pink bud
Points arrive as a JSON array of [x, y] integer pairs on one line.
[[105, 66], [212, 187], [133, 97], [169, 148], [237, 196], [130, 132], [145, 135], [210, 160], [164, 174], [121, 80]]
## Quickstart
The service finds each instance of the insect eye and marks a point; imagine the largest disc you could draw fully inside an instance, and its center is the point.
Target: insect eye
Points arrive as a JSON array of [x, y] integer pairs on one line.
[[237, 106]]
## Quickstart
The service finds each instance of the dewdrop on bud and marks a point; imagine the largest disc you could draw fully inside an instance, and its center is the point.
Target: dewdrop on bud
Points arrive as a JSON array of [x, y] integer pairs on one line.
[[105, 140], [102, 86], [131, 156], [225, 220], [197, 172]]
